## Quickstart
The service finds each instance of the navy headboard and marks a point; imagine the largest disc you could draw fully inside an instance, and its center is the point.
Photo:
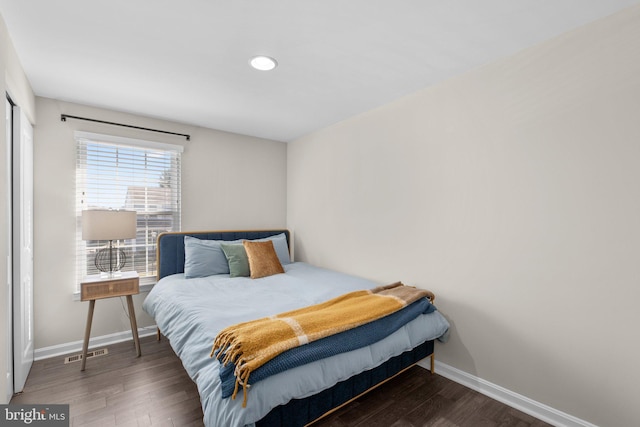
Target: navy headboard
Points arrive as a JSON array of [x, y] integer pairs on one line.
[[170, 251]]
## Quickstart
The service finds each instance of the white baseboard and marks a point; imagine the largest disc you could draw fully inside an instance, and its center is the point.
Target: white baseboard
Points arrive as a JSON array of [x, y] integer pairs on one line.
[[508, 397], [76, 346]]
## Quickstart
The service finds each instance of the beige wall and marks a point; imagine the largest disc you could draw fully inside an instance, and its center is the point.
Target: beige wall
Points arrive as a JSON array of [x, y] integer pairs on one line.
[[14, 82], [228, 182], [512, 192]]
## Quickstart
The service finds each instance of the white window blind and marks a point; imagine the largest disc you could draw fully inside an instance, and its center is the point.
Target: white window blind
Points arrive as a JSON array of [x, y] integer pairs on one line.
[[122, 173]]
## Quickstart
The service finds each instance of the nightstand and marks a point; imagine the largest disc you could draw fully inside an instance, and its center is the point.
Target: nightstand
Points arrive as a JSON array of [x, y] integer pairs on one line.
[[96, 287]]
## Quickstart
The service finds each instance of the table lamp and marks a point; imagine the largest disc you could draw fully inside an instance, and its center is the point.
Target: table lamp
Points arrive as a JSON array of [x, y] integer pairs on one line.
[[109, 225]]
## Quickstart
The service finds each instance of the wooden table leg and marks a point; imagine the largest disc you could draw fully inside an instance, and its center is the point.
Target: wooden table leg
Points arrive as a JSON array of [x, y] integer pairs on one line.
[[134, 324], [87, 333]]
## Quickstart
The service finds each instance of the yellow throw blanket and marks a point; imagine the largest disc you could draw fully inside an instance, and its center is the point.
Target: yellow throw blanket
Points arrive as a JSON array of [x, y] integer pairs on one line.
[[249, 345]]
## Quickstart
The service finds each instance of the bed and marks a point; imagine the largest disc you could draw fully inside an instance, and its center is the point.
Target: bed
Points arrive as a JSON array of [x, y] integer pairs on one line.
[[190, 311]]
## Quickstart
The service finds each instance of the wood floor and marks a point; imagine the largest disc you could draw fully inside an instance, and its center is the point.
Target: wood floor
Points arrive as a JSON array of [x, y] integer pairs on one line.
[[154, 390]]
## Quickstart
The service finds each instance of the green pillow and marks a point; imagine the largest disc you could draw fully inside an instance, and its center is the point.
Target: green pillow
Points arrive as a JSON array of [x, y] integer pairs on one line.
[[238, 260]]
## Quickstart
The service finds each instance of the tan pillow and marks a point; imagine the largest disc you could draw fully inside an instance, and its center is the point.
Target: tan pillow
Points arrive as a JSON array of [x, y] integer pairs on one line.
[[263, 260]]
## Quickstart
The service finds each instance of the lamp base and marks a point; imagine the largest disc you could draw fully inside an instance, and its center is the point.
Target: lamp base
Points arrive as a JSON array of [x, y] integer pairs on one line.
[[110, 274]]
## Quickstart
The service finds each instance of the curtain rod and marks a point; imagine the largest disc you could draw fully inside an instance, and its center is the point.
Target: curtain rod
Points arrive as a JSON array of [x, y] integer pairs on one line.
[[64, 117]]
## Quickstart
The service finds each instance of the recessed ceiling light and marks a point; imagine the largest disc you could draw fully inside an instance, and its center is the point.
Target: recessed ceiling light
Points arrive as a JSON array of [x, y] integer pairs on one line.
[[263, 63]]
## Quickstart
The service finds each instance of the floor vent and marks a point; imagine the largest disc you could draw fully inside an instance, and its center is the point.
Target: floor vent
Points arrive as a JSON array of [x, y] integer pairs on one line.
[[90, 354]]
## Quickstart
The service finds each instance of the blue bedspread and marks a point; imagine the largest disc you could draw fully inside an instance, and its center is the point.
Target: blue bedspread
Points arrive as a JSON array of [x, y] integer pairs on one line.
[[191, 313]]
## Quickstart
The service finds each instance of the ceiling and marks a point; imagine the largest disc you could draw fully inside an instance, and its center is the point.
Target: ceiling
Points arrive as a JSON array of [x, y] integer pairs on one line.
[[187, 60]]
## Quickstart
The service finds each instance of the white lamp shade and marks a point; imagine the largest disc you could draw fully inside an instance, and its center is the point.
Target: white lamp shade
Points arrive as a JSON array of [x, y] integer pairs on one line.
[[108, 225]]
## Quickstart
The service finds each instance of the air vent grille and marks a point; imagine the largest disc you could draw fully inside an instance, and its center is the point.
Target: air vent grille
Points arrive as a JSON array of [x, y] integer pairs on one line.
[[90, 354]]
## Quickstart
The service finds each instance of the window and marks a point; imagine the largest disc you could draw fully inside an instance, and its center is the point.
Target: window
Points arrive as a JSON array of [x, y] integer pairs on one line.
[[122, 173]]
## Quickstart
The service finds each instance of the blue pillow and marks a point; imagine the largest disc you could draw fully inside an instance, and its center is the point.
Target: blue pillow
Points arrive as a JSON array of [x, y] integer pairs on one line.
[[281, 247], [204, 257]]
